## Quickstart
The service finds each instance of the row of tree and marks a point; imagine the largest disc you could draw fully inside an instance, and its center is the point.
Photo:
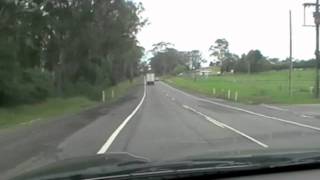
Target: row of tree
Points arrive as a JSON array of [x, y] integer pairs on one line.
[[168, 60], [66, 47], [252, 62]]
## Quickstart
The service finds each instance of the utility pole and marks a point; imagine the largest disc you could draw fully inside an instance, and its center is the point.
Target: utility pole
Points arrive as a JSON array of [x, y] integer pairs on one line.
[[317, 22], [290, 57], [316, 16]]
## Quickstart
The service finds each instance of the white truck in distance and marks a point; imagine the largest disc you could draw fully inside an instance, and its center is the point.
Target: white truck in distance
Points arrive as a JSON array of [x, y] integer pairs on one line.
[[150, 79]]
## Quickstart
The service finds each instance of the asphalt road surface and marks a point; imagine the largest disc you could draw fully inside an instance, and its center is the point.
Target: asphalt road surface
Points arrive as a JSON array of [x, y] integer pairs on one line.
[[160, 123]]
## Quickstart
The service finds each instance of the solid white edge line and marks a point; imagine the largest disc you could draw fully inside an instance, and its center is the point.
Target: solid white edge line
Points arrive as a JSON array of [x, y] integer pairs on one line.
[[220, 124], [246, 111], [110, 140]]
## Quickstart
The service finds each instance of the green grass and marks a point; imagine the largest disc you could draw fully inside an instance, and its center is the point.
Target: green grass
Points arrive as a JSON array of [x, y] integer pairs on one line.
[[56, 107], [120, 89], [267, 87], [50, 108]]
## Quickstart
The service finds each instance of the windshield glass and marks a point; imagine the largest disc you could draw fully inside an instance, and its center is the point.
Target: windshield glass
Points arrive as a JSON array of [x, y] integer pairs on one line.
[[99, 86]]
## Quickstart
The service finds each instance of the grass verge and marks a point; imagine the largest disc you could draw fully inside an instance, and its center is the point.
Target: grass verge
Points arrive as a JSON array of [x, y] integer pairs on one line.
[[52, 107], [55, 107], [267, 87], [115, 92]]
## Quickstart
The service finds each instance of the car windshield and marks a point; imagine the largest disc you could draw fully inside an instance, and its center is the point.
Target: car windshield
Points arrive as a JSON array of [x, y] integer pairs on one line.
[[103, 86]]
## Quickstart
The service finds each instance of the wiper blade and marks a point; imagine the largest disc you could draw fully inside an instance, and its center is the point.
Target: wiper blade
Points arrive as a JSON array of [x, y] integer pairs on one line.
[[137, 167], [174, 171]]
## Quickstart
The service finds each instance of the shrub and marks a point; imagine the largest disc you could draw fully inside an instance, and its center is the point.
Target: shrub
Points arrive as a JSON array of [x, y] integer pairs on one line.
[[28, 86]]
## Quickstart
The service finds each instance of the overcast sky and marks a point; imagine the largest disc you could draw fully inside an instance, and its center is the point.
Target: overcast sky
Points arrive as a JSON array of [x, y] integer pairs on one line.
[[246, 24]]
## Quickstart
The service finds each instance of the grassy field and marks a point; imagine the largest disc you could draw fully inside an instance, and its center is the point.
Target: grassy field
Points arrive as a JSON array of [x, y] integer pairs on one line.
[[56, 107], [267, 87]]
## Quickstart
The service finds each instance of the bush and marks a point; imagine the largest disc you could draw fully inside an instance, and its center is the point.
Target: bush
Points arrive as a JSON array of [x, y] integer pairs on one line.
[[28, 86], [83, 88], [179, 69]]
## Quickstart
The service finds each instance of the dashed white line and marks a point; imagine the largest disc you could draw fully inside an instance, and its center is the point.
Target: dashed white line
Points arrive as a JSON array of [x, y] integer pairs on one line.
[[110, 140], [273, 107], [246, 111], [306, 116], [205, 116], [222, 125]]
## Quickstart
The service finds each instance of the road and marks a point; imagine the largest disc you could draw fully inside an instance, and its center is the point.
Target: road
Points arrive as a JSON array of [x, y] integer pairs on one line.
[[173, 124], [161, 123]]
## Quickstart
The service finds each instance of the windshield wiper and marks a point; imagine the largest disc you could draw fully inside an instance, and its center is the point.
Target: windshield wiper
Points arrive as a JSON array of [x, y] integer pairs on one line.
[[125, 168]]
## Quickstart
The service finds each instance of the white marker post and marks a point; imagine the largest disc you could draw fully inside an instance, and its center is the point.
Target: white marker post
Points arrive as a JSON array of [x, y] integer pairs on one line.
[[103, 96], [311, 90], [236, 96], [214, 91], [229, 94], [112, 93]]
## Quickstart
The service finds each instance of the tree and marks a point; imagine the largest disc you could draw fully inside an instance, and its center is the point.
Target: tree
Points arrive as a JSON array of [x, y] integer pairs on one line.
[[196, 59], [229, 62], [256, 62], [242, 64], [274, 60], [220, 50], [69, 44], [161, 46], [170, 61]]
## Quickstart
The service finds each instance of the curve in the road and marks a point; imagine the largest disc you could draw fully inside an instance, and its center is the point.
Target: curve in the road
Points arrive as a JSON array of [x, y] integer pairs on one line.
[[110, 140]]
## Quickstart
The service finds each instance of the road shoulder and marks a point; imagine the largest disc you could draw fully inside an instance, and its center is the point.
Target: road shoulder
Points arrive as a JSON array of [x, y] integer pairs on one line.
[[48, 141]]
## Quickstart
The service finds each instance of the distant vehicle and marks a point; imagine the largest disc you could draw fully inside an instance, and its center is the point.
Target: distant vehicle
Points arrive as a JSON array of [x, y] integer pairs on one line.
[[157, 79], [150, 79]]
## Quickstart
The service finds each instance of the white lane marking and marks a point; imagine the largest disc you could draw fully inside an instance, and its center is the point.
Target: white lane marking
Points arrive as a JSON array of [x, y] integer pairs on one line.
[[306, 116], [205, 116], [30, 122], [246, 111], [273, 107], [222, 125], [110, 140]]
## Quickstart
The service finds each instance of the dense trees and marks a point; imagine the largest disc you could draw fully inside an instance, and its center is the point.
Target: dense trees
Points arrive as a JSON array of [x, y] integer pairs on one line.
[[66, 47], [167, 60], [251, 62], [220, 50]]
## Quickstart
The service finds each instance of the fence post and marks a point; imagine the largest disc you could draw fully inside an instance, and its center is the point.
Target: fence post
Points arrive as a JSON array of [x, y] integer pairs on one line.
[[229, 94]]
